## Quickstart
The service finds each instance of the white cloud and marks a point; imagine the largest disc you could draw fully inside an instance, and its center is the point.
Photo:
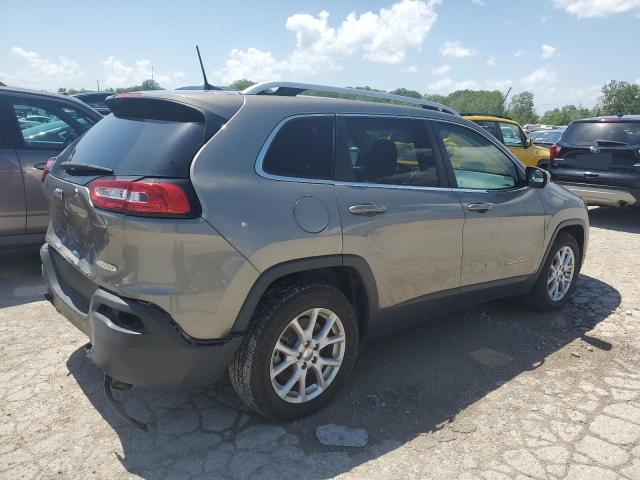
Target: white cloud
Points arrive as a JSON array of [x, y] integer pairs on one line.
[[119, 74], [43, 71], [252, 63], [445, 86], [382, 37], [411, 69], [455, 50], [491, 62], [441, 70], [478, 2], [441, 85], [498, 84], [548, 51], [596, 8], [540, 76], [518, 54]]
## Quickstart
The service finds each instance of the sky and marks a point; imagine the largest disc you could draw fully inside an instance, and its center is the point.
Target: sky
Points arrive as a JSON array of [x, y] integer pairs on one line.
[[561, 50]]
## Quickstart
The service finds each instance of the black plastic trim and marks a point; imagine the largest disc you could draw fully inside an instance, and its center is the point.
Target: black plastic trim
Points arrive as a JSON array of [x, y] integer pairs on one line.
[[304, 265]]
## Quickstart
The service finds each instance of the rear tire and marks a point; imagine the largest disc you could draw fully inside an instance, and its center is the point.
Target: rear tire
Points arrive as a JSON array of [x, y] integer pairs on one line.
[[288, 339], [553, 288]]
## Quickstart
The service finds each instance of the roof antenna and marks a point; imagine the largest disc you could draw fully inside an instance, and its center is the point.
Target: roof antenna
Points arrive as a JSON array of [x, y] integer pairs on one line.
[[206, 85]]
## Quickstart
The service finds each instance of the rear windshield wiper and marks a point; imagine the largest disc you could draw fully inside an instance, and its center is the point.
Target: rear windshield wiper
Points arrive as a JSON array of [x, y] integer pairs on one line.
[[610, 142], [85, 167]]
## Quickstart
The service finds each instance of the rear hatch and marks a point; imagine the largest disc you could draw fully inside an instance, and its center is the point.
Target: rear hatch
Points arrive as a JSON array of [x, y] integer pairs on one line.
[[599, 152], [135, 162]]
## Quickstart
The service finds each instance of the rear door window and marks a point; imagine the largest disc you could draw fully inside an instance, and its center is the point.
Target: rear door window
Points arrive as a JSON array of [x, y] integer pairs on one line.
[[302, 148], [389, 151], [491, 127]]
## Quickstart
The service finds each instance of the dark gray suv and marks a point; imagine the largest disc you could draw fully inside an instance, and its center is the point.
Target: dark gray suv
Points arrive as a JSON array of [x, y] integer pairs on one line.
[[271, 233]]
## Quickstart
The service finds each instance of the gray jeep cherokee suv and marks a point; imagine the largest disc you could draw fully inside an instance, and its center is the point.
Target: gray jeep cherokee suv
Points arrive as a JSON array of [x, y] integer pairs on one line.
[[270, 233]]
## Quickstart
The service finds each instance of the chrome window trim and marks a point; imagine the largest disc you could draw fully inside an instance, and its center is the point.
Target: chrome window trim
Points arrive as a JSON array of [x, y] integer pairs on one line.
[[341, 183]]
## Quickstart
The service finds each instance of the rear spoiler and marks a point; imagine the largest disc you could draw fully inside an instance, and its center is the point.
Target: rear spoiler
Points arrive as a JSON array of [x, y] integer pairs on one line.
[[145, 107]]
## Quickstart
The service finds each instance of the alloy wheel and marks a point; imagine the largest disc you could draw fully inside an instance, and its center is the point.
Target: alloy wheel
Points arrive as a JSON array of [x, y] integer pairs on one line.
[[307, 355], [561, 273]]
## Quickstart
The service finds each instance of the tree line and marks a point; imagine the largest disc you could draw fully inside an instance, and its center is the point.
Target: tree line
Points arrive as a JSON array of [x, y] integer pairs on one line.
[[617, 97]]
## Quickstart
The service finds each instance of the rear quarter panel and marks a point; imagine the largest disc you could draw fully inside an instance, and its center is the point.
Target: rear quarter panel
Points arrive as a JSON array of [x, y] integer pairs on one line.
[[256, 214]]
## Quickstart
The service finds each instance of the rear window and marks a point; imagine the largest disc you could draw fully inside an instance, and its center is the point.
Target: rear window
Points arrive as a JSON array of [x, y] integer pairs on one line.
[[133, 145], [585, 133]]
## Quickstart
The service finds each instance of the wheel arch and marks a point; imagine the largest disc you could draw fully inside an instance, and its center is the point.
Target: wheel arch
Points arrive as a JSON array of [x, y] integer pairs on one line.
[[577, 228], [351, 274]]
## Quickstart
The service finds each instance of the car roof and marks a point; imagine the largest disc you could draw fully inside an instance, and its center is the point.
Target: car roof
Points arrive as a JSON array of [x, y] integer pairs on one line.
[[40, 93], [89, 94], [292, 105], [610, 118], [488, 118]]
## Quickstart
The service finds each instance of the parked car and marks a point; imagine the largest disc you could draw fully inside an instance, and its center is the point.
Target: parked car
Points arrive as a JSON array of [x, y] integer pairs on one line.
[[599, 159], [275, 238], [95, 100], [511, 134], [37, 118], [546, 138], [26, 142]]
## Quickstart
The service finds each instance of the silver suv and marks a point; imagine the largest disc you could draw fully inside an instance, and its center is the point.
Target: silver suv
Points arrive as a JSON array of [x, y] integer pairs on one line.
[[271, 233]]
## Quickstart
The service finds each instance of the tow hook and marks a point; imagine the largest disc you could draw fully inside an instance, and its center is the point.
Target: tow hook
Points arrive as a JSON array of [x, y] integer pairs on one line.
[[109, 385]]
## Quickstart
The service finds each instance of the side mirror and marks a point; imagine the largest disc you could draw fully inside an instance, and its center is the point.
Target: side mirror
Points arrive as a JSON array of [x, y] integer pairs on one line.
[[527, 142], [537, 177]]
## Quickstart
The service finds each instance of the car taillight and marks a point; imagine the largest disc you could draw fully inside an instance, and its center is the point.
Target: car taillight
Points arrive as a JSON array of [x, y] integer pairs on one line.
[[47, 168], [141, 196], [554, 151]]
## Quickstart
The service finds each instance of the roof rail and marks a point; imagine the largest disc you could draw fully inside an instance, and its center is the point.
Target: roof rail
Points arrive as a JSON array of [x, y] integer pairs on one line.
[[291, 89]]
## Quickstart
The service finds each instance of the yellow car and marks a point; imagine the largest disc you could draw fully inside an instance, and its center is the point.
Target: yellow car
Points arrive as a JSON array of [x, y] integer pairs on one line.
[[511, 134]]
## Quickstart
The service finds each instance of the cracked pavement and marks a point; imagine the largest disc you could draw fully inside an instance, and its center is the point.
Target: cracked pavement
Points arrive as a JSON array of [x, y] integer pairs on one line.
[[492, 392]]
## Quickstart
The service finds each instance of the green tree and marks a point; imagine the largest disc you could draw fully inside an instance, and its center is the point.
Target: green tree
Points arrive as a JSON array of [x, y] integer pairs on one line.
[[406, 93], [565, 115], [241, 84], [521, 108], [476, 101], [620, 98], [150, 85], [146, 85]]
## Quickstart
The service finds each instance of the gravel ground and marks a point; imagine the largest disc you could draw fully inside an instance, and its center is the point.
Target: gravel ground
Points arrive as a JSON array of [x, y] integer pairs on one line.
[[492, 392]]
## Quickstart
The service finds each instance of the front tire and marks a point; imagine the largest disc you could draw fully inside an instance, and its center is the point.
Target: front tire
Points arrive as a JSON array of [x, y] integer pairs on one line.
[[298, 350], [558, 276]]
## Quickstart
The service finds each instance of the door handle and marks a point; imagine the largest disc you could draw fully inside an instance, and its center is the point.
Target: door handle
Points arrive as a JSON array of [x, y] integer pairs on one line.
[[367, 209], [591, 175], [479, 207], [39, 166]]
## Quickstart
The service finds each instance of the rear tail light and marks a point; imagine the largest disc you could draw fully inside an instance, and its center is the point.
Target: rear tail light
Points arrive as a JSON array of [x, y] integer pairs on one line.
[[141, 196], [47, 168], [554, 151]]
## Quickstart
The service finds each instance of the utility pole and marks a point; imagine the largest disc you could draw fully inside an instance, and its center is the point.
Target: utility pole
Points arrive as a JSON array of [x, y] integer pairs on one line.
[[152, 72], [98, 83]]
